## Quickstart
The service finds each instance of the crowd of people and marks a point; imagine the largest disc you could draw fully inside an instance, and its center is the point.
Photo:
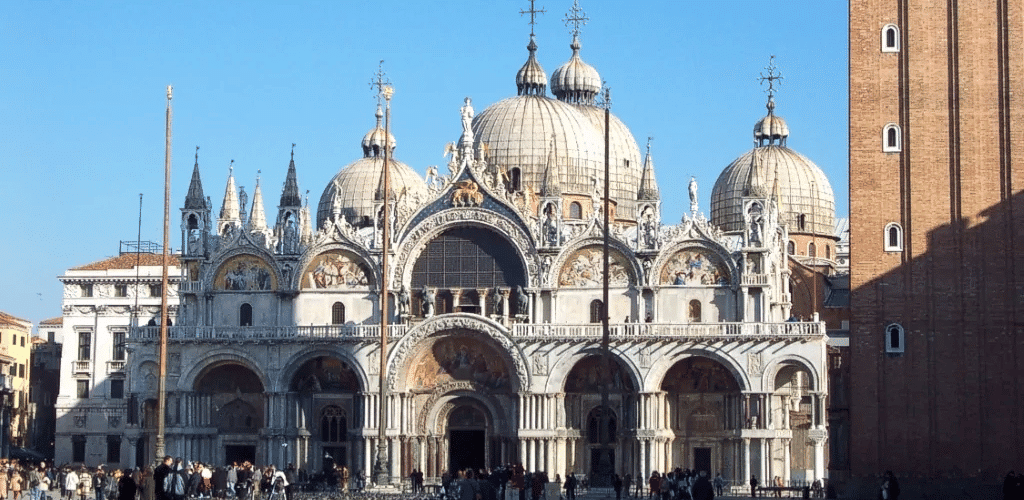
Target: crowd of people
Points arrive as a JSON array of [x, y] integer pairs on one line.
[[683, 484]]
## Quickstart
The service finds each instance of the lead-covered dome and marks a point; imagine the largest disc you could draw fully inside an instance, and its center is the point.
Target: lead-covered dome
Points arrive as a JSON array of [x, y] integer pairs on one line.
[[522, 132], [353, 189], [807, 204]]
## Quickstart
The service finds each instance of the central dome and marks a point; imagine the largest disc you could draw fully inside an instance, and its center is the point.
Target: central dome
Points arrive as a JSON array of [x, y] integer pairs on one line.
[[523, 132]]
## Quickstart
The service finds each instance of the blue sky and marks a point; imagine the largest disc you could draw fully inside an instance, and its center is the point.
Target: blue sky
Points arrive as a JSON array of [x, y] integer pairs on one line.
[[82, 100]]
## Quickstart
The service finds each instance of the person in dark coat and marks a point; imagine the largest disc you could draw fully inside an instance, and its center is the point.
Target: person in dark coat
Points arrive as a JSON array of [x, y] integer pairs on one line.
[[570, 487], [617, 486], [702, 487], [126, 487], [159, 474], [753, 486], [220, 482]]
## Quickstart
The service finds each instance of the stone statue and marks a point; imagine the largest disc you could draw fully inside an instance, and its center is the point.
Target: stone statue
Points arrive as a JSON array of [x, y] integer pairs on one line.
[[550, 226], [242, 200], [467, 122], [693, 194], [403, 301], [522, 302], [427, 296], [496, 302]]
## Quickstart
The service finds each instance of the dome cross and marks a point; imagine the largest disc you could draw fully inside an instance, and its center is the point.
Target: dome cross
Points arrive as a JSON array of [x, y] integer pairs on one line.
[[772, 77], [380, 83], [533, 14], [576, 17]]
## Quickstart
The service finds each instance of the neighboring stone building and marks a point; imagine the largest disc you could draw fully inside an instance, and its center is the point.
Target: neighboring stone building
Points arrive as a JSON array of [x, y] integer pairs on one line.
[[937, 246], [101, 301], [45, 384], [16, 367], [495, 274]]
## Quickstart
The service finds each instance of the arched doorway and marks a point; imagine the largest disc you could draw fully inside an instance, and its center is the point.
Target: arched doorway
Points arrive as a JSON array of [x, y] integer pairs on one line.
[[461, 383], [597, 420], [700, 393], [793, 410], [236, 398], [328, 405], [467, 436]]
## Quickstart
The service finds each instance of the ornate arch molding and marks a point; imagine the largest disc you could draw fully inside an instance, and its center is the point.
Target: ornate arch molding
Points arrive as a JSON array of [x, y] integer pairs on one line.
[[222, 356], [711, 247], [222, 258], [564, 365], [665, 362], [417, 238], [295, 280], [295, 362], [405, 348], [433, 416], [776, 364], [614, 243]]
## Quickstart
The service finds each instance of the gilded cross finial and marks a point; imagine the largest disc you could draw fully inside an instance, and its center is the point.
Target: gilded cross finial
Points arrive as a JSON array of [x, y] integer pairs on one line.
[[380, 83], [533, 15], [576, 17], [197, 154], [293, 150], [773, 76], [231, 167]]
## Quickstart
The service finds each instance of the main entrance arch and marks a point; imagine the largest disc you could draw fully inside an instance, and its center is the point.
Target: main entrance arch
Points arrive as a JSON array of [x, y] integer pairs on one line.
[[237, 400]]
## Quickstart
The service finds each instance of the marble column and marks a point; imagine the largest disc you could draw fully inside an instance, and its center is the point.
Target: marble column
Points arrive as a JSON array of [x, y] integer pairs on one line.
[[746, 459]]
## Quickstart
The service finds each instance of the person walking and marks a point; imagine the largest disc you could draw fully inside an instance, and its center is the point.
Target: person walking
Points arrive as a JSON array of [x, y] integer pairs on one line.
[[570, 486], [126, 487], [753, 486], [617, 486]]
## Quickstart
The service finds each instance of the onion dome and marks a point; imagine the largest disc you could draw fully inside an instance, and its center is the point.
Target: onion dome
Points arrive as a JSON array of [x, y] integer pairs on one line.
[[373, 141], [531, 78], [576, 81], [804, 193], [624, 155], [771, 128], [352, 191]]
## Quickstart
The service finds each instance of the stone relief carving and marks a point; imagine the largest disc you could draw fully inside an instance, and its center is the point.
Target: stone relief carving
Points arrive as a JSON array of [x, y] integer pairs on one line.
[[81, 421], [585, 268], [755, 363], [540, 363]]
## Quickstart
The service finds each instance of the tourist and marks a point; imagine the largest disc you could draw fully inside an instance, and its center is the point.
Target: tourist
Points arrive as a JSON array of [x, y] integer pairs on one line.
[[126, 486]]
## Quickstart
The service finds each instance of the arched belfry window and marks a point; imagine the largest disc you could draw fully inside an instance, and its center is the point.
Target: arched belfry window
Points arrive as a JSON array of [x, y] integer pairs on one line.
[[893, 235], [791, 247], [890, 38], [575, 210], [891, 139], [812, 250], [333, 425], [894, 339], [245, 315], [338, 314], [596, 311]]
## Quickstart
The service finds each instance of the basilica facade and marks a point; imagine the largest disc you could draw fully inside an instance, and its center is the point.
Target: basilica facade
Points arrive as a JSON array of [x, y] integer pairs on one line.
[[495, 308]]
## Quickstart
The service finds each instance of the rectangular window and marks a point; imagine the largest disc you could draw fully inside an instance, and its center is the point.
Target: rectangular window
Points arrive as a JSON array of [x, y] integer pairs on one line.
[[14, 370], [113, 449], [117, 389], [78, 448], [119, 350], [86, 290], [154, 290], [21, 370], [120, 290], [83, 391], [84, 346], [22, 341], [14, 339]]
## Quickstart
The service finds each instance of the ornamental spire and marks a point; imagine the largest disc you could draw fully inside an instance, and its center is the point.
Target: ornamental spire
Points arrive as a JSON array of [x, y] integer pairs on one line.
[[648, 186], [290, 193], [195, 198]]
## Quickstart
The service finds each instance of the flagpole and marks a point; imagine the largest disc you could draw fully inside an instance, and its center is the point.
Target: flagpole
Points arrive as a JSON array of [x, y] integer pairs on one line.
[[162, 389]]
